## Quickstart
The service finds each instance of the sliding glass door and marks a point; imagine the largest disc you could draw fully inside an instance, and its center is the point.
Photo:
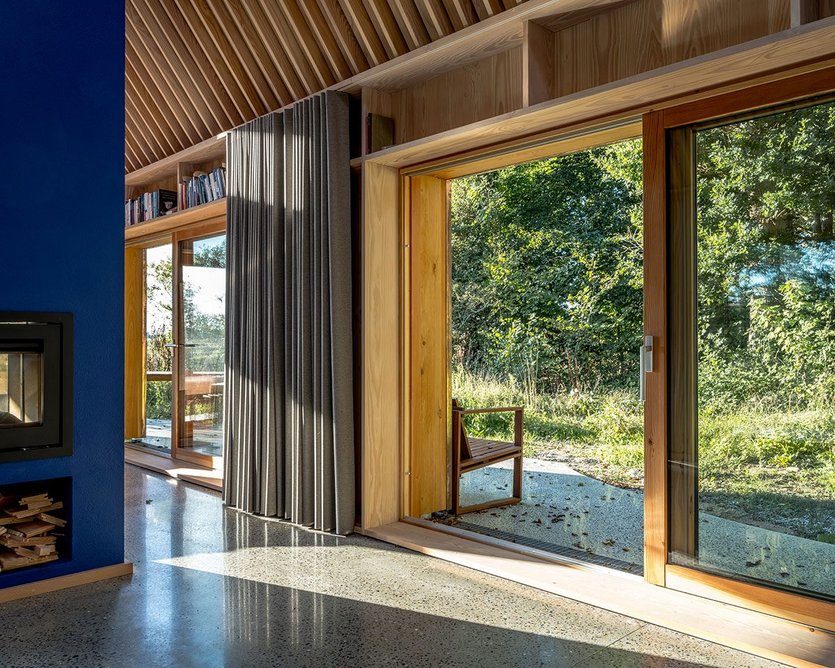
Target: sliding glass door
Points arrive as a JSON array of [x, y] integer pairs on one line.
[[176, 327], [200, 348], [155, 379], [752, 325]]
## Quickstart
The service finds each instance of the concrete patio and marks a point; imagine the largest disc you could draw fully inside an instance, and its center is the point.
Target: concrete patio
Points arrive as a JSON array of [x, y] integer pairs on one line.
[[571, 514]]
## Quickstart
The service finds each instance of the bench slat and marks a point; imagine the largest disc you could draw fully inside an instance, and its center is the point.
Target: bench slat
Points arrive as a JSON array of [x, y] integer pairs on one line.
[[486, 451]]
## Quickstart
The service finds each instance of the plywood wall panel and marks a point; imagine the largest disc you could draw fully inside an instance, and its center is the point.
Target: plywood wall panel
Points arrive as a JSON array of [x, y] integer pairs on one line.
[[694, 28], [381, 247], [609, 47], [648, 34], [481, 90]]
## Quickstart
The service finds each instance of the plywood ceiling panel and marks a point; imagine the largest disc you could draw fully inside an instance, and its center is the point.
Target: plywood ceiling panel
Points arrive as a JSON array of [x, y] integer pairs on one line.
[[195, 68]]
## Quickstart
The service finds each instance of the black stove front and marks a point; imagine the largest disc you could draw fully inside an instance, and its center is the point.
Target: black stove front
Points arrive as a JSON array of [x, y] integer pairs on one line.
[[35, 385]]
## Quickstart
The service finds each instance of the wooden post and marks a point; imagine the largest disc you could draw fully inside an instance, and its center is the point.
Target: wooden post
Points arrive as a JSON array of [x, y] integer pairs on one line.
[[456, 461], [134, 343], [518, 435], [381, 257], [429, 354]]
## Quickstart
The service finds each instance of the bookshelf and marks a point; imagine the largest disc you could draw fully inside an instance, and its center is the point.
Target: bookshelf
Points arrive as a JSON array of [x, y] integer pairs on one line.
[[167, 174], [175, 221]]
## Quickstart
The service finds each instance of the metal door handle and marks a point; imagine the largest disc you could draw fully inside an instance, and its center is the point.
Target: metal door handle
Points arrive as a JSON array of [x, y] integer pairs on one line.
[[646, 366], [180, 345]]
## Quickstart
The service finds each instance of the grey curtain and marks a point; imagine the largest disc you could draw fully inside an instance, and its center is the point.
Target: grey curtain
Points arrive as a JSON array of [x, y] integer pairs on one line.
[[288, 419]]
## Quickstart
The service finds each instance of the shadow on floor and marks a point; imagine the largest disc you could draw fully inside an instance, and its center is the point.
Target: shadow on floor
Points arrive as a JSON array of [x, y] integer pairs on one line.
[[213, 587]]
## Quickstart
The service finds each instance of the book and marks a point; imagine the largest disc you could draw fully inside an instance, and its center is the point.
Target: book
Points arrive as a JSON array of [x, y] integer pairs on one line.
[[150, 205], [203, 187]]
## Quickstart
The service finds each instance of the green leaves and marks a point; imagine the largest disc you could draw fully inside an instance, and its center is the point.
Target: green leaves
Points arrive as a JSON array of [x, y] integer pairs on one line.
[[766, 261], [546, 269]]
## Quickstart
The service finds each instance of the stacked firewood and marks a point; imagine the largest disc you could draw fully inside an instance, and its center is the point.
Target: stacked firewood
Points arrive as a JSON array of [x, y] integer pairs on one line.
[[28, 530]]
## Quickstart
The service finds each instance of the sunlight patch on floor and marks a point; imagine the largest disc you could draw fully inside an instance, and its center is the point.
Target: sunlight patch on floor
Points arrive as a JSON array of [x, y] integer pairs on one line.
[[364, 574]]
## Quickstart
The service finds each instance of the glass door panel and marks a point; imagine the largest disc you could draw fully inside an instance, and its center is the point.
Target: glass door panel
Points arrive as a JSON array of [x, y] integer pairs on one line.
[[200, 349], [159, 337], [752, 466]]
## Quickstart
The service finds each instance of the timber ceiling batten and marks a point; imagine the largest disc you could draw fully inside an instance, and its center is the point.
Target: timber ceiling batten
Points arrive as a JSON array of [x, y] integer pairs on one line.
[[195, 68]]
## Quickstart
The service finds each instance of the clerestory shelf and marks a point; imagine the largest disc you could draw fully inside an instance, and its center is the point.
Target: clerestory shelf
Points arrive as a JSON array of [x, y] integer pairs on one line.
[[175, 221]]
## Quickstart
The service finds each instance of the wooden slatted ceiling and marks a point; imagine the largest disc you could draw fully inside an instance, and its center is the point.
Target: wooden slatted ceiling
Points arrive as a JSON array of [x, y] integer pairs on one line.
[[195, 68]]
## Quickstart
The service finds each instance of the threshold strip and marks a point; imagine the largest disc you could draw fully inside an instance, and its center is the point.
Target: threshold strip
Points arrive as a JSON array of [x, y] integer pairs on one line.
[[570, 552]]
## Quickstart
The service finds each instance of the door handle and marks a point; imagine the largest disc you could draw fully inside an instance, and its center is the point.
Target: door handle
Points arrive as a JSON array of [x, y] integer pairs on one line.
[[180, 345], [646, 366]]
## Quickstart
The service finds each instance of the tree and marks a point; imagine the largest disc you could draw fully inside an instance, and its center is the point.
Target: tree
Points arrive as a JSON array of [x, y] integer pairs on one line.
[[546, 268], [766, 259]]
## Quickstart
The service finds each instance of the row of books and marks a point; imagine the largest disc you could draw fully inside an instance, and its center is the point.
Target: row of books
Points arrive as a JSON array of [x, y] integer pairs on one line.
[[203, 187], [149, 206]]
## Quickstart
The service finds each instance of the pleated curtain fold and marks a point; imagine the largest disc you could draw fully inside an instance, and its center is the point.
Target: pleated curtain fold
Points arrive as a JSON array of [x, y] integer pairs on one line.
[[288, 417]]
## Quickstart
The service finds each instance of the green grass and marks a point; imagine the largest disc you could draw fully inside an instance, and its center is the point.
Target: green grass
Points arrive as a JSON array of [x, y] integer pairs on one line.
[[774, 469]]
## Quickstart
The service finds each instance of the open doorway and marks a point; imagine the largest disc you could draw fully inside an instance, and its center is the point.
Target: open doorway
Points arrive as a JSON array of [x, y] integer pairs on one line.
[[546, 264]]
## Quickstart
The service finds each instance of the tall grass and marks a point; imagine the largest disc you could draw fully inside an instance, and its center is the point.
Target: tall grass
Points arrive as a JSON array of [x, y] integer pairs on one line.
[[775, 467], [604, 428]]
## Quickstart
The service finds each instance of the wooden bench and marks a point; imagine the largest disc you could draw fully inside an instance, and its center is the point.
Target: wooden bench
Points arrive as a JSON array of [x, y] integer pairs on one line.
[[469, 454]]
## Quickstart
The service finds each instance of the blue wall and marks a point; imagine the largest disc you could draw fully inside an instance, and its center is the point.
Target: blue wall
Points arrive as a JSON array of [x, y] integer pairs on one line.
[[61, 239]]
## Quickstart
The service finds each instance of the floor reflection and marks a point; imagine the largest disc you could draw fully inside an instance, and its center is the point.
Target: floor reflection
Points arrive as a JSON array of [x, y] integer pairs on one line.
[[213, 587]]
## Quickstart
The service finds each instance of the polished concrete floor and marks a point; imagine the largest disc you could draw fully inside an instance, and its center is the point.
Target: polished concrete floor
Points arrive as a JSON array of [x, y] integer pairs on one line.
[[213, 587]]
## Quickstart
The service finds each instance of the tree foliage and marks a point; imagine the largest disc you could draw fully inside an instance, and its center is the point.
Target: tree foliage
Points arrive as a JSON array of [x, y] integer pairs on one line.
[[547, 266], [546, 263], [205, 330], [766, 261]]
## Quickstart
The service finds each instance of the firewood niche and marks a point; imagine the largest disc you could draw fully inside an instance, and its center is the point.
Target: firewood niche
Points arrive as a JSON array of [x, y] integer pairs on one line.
[[33, 524]]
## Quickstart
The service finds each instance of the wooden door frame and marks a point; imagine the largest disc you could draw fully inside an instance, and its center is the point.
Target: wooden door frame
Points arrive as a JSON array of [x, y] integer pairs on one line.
[[427, 442], [655, 126], [384, 252], [135, 336], [660, 136], [193, 233], [135, 363]]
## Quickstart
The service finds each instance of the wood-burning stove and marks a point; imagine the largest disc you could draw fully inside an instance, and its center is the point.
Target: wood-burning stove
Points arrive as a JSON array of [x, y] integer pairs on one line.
[[35, 385]]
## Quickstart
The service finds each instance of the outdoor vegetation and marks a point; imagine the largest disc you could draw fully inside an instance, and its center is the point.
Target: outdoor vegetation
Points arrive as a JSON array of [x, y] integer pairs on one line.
[[547, 313], [205, 330], [160, 304]]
